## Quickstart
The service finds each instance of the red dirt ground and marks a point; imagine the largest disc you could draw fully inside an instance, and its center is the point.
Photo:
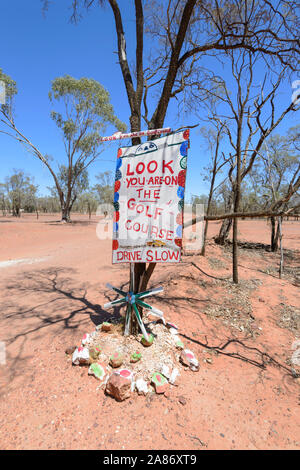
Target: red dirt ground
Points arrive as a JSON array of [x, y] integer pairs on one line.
[[243, 399]]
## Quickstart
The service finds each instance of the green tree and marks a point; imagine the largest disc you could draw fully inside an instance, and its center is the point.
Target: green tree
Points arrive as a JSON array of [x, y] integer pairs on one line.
[[85, 111], [21, 192], [87, 202], [277, 167], [104, 188], [69, 193]]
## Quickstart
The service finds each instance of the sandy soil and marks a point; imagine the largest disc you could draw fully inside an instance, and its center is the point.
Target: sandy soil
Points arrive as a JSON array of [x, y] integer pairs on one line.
[[243, 397]]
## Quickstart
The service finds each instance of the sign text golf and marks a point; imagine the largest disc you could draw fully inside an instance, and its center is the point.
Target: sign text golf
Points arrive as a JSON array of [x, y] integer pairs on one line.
[[148, 200]]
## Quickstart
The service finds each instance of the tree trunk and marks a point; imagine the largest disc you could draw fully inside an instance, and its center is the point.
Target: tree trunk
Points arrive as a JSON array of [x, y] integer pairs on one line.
[[226, 224], [274, 235], [235, 275], [65, 214], [204, 237]]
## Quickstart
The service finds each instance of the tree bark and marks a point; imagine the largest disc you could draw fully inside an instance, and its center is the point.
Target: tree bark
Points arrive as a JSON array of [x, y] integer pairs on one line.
[[224, 232], [65, 214], [274, 235]]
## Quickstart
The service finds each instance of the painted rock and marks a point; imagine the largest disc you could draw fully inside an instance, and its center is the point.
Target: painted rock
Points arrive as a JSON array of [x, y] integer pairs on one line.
[[94, 353], [70, 349], [85, 339], [106, 326], [149, 342], [118, 387], [116, 360], [179, 344], [160, 382], [135, 357], [98, 370], [141, 386], [125, 373], [187, 358], [81, 356]]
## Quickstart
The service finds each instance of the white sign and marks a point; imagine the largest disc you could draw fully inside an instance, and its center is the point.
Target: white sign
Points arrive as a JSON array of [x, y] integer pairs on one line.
[[149, 200]]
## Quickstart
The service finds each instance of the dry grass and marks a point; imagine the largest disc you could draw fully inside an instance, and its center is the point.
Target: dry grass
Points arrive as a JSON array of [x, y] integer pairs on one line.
[[235, 310], [289, 318]]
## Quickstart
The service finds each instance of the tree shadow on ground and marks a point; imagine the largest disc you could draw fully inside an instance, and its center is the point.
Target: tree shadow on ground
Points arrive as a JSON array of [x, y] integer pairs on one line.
[[61, 301], [42, 300], [251, 355], [83, 223]]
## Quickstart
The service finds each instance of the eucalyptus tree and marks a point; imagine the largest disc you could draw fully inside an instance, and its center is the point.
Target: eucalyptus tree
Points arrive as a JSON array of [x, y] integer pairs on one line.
[[21, 192], [182, 35], [104, 189], [278, 167], [249, 113], [83, 113]]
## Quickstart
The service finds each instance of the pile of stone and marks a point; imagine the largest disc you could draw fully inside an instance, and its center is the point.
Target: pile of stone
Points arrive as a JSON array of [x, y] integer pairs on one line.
[[123, 368]]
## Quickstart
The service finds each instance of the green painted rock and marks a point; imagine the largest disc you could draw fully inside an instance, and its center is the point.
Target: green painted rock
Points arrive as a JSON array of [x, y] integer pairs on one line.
[[98, 370], [149, 342], [179, 344], [135, 357], [160, 382], [116, 359]]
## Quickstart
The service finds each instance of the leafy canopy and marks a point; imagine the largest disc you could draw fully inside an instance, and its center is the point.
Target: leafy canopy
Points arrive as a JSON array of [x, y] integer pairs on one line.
[[88, 110]]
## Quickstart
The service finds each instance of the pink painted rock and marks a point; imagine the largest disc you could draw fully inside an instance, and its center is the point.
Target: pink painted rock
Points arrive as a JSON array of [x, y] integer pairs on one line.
[[187, 358], [116, 360], [118, 387], [125, 373], [148, 342], [160, 382], [81, 356], [85, 339]]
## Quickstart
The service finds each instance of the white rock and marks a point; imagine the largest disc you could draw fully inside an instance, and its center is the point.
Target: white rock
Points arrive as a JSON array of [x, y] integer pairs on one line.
[[81, 356], [165, 371], [85, 339], [296, 357], [173, 331], [141, 386]]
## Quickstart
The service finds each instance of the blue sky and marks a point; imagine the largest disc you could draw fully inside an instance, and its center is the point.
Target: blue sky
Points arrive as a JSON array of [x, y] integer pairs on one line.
[[35, 49]]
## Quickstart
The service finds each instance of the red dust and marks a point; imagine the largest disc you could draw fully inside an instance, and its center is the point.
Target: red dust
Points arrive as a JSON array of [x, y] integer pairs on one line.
[[242, 397]]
